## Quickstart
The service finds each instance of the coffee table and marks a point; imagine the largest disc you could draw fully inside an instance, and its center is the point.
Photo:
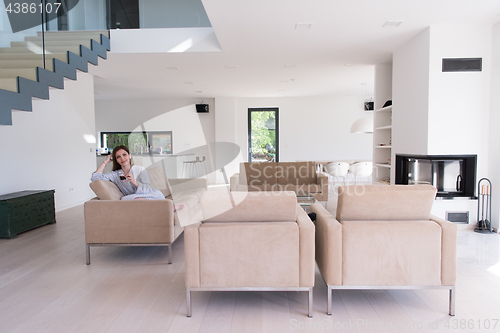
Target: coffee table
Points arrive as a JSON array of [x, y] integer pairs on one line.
[[305, 201]]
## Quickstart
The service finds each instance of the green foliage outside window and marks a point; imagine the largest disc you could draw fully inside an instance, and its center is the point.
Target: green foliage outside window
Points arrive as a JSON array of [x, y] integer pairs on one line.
[[263, 133]]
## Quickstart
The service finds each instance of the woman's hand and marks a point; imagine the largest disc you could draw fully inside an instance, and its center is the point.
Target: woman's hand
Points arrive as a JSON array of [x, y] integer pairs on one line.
[[108, 159], [130, 178]]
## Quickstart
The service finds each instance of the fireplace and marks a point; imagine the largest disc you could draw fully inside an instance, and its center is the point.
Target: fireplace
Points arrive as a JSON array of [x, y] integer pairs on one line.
[[452, 175]]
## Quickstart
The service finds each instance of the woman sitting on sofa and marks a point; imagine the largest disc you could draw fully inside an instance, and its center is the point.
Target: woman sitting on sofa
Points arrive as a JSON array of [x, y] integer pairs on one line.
[[132, 180]]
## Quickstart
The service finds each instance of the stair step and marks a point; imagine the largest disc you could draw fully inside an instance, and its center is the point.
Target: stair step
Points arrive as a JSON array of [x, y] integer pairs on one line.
[[23, 64], [12, 73], [8, 84], [65, 37], [33, 56], [51, 49], [53, 43], [75, 33]]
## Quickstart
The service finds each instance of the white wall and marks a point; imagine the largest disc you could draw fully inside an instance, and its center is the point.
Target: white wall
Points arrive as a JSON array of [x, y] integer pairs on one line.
[[383, 84], [459, 102], [48, 149], [311, 128], [410, 96], [225, 131], [494, 128]]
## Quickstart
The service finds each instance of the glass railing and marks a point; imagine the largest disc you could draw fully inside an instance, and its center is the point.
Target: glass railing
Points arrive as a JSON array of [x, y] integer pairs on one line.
[[34, 32]]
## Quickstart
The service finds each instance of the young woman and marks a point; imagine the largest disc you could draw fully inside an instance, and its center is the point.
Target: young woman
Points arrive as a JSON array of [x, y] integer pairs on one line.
[[132, 180]]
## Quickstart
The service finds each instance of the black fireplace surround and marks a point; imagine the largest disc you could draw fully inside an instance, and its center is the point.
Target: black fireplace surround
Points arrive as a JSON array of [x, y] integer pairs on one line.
[[453, 175]]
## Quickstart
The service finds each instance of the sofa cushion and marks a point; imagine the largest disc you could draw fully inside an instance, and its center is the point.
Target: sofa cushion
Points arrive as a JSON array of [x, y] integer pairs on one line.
[[240, 206], [159, 181], [390, 203], [258, 173], [296, 173], [106, 190]]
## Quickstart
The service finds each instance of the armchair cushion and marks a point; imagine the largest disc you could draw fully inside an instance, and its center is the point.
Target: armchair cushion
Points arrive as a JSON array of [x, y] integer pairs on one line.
[[106, 190]]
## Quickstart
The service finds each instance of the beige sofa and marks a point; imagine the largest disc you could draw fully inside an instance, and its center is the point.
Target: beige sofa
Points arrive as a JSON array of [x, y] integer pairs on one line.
[[112, 222], [299, 177], [385, 238], [250, 241]]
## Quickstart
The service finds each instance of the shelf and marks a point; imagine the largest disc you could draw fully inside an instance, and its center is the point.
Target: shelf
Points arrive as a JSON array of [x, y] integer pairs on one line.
[[383, 127], [387, 147], [387, 108], [383, 165]]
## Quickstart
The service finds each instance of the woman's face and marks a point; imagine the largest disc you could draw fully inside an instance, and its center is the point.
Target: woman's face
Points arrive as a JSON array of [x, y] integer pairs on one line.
[[122, 157]]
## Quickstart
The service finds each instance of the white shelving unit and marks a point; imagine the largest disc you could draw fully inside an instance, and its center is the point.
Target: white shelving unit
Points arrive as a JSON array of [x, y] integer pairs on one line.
[[382, 144]]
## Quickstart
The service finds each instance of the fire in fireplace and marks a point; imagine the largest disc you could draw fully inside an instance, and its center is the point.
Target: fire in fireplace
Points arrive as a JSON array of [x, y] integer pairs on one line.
[[452, 175]]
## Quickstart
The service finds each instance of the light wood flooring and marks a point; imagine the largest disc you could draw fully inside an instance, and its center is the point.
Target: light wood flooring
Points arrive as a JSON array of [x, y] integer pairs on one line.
[[45, 286]]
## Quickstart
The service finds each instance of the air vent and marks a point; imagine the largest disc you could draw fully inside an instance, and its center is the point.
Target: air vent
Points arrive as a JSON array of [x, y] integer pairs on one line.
[[458, 217], [463, 65]]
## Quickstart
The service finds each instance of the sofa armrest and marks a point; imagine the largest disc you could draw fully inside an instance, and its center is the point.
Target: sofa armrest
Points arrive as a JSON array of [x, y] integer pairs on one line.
[[306, 249], [234, 181], [192, 255], [328, 245], [187, 184], [134, 222], [449, 251], [322, 180]]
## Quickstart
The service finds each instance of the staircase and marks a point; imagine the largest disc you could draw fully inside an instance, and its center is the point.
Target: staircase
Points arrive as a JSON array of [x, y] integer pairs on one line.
[[22, 75]]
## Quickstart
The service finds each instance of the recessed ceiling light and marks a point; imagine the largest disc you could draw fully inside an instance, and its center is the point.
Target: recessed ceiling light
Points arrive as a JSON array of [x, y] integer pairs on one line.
[[230, 66], [172, 67], [349, 64], [198, 91], [303, 26], [289, 66], [392, 24], [284, 81], [188, 82]]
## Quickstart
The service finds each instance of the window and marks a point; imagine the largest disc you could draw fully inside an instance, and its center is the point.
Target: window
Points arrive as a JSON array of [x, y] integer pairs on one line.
[[139, 142]]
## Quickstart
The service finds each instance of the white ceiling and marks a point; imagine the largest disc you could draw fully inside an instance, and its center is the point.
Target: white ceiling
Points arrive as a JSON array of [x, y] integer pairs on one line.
[[260, 39]]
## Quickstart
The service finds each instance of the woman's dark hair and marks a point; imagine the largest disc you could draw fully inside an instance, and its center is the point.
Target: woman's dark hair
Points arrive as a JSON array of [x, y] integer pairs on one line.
[[116, 165]]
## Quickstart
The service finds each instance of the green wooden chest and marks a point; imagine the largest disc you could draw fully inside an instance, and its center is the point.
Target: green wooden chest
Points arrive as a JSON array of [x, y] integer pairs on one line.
[[25, 210]]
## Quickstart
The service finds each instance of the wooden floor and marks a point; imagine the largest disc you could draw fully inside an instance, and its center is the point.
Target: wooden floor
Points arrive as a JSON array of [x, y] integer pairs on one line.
[[45, 286]]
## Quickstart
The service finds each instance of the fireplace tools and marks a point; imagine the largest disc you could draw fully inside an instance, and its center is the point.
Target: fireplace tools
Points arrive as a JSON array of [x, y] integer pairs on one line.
[[484, 190]]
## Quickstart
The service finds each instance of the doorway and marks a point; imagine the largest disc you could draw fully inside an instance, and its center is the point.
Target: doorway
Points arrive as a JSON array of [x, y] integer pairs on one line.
[[123, 14], [263, 134]]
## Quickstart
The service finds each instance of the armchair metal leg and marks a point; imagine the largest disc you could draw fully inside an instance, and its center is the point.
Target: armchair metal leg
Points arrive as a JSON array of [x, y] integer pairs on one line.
[[452, 301], [329, 302], [169, 254], [88, 254], [188, 302], [310, 304]]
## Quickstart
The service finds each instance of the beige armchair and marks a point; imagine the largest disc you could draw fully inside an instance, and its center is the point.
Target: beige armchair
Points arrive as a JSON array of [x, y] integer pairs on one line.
[[250, 241], [385, 238]]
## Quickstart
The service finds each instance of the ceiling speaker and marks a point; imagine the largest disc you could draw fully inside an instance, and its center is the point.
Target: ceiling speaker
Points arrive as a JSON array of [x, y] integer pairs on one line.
[[202, 108]]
